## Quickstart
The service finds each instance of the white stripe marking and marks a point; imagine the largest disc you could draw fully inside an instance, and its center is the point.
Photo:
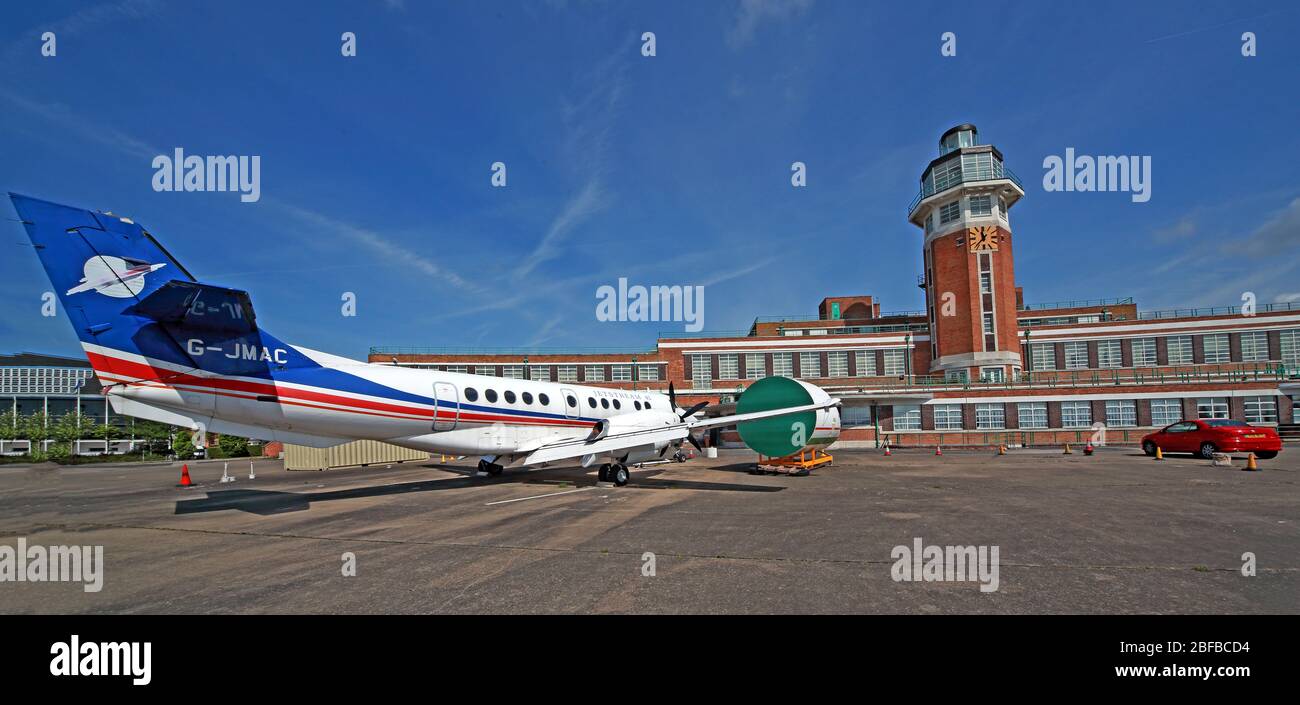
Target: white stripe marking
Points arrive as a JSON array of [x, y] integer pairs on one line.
[[539, 496]]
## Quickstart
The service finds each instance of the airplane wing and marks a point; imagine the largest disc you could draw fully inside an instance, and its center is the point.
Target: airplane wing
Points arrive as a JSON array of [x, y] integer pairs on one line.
[[577, 447]]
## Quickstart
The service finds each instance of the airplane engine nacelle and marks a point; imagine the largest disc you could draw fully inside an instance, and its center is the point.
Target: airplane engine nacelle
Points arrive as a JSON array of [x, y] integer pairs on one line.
[[780, 436]]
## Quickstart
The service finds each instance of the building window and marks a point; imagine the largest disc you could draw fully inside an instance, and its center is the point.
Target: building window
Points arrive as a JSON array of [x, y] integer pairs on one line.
[[907, 417], [949, 212], [1166, 411], [990, 416], [1216, 348], [1291, 346], [1144, 352], [1261, 409], [1180, 349], [594, 373], [539, 373], [729, 366], [1254, 346], [1076, 414], [1212, 408], [1002, 207], [620, 373], [996, 375], [988, 324], [755, 365], [947, 417], [1032, 414], [865, 363], [1076, 356], [986, 282], [702, 371], [1109, 354], [566, 373], [648, 373], [1043, 356], [810, 364], [855, 416], [458, 369], [929, 222], [1121, 413], [894, 362], [981, 205], [783, 364], [512, 371], [837, 364]]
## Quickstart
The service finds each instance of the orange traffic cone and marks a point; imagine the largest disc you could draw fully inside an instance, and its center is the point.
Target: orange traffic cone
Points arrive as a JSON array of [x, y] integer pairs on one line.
[[1160, 455], [1067, 450], [1002, 450], [185, 477], [938, 450], [1250, 463]]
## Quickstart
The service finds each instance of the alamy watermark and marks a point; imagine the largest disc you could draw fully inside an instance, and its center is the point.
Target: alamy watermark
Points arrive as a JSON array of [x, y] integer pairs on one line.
[[53, 564], [921, 563], [655, 303], [177, 172], [1101, 173]]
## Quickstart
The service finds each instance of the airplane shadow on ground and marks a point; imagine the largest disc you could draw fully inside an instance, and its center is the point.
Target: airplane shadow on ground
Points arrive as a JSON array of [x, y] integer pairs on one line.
[[272, 502]]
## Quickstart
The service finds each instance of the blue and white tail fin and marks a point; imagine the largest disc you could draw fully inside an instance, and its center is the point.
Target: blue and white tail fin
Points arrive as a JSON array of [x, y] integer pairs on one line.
[[135, 307]]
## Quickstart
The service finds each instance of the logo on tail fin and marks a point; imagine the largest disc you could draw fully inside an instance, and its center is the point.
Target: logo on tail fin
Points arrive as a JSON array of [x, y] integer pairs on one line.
[[114, 276]]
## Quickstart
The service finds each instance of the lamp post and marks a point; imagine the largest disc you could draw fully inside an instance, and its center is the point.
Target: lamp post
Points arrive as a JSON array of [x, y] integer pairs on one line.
[[907, 358]]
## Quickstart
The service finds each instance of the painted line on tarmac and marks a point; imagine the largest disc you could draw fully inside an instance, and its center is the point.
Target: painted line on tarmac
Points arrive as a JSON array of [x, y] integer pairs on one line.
[[539, 496]]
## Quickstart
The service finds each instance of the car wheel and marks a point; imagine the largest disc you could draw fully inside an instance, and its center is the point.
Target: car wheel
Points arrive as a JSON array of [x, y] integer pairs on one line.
[[1266, 454], [1149, 448], [1208, 450]]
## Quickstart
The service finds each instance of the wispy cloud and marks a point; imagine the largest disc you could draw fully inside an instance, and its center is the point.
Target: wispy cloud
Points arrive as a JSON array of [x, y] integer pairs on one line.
[[389, 250], [84, 20], [70, 120], [751, 14]]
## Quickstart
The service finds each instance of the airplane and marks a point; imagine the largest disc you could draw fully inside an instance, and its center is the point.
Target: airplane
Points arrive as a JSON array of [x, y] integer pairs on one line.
[[173, 349]]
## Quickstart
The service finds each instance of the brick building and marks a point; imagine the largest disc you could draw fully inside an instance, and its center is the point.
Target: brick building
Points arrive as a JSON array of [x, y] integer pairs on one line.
[[978, 366]]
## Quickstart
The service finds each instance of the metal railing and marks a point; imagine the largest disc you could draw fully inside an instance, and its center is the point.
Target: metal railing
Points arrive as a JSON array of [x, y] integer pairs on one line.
[[452, 350], [1198, 374], [807, 318], [1215, 311], [1078, 303], [981, 175]]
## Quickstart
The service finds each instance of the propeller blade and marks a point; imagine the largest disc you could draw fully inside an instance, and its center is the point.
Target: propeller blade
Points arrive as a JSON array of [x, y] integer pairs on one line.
[[694, 409], [665, 449], [672, 397], [694, 442]]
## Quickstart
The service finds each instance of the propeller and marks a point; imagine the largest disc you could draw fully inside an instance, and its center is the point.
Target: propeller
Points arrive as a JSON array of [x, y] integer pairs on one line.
[[672, 401]]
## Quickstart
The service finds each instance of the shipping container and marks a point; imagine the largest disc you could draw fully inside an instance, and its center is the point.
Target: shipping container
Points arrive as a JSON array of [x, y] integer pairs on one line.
[[347, 455]]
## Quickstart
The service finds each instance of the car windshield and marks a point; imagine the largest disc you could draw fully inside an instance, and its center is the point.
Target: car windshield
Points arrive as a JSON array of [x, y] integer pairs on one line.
[[1225, 422]]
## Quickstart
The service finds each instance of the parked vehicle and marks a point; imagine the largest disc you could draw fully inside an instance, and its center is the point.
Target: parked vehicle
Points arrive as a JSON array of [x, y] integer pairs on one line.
[[1205, 437]]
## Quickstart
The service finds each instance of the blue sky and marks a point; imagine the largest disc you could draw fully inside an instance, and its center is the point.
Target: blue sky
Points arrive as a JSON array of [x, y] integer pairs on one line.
[[672, 169]]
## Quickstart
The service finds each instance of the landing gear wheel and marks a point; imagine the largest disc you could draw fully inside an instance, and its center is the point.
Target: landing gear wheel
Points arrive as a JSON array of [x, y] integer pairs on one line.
[[619, 475], [490, 468], [1149, 448], [1266, 454], [1208, 450], [603, 473]]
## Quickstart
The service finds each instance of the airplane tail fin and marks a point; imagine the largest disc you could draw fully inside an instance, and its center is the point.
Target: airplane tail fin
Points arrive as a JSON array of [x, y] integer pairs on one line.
[[137, 311]]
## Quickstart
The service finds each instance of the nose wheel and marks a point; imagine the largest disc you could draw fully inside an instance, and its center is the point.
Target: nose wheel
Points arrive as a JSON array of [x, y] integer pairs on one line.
[[616, 473], [490, 468]]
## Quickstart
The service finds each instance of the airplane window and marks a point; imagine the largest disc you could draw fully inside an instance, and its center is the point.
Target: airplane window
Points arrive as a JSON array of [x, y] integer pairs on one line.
[[491, 395], [528, 398], [471, 394], [617, 405], [510, 396], [544, 400], [591, 401], [637, 404], [572, 401], [604, 403]]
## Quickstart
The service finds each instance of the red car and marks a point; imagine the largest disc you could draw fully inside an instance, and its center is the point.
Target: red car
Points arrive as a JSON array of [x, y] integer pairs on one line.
[[1205, 437]]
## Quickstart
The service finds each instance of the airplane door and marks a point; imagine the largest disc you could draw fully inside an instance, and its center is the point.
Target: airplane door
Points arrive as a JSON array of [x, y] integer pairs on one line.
[[570, 410], [447, 404]]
